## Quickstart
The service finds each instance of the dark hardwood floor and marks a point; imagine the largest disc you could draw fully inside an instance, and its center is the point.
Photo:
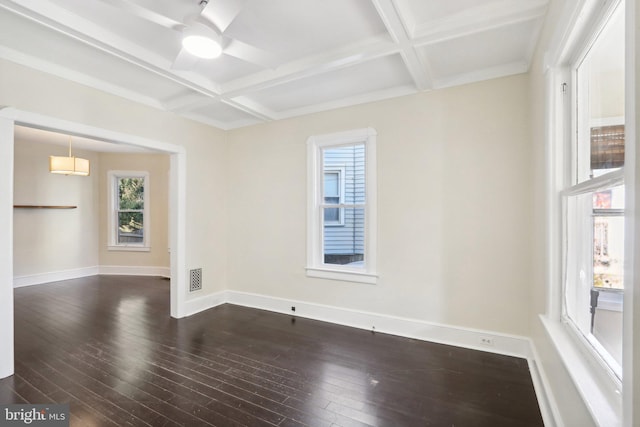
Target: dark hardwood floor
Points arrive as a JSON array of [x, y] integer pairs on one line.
[[107, 346]]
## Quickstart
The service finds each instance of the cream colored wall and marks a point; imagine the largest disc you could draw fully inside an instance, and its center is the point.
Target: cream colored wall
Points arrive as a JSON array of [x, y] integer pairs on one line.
[[157, 165], [631, 351], [206, 175], [52, 240], [454, 207]]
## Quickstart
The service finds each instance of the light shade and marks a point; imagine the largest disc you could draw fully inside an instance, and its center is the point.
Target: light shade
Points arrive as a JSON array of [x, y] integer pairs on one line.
[[201, 46], [69, 165], [201, 41]]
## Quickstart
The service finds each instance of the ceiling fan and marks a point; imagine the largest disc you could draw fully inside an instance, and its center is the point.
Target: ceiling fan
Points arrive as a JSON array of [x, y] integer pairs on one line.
[[202, 30]]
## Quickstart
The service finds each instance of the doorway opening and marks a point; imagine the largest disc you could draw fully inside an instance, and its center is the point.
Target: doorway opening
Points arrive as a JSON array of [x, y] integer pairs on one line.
[[9, 118]]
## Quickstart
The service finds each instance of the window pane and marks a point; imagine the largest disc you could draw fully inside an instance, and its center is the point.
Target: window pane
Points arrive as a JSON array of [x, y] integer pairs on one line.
[[608, 238], [345, 245], [600, 103], [130, 227], [351, 159], [578, 265], [130, 193], [331, 185], [594, 270], [331, 215]]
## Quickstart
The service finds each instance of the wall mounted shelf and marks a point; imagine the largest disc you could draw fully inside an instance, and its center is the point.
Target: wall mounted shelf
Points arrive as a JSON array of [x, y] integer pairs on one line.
[[42, 207]]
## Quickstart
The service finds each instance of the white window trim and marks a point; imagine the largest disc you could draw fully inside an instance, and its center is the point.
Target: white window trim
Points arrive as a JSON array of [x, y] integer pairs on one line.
[[341, 192], [315, 175], [599, 388], [112, 177]]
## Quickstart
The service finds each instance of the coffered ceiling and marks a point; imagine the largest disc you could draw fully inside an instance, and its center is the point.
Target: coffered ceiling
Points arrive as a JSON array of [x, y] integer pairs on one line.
[[306, 55]]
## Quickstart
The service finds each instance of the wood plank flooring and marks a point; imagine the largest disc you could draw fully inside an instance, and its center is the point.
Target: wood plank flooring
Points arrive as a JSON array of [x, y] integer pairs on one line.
[[107, 346]]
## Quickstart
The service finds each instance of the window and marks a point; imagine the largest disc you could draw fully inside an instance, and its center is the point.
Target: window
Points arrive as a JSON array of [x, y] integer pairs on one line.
[[341, 211], [594, 195], [128, 210], [587, 202]]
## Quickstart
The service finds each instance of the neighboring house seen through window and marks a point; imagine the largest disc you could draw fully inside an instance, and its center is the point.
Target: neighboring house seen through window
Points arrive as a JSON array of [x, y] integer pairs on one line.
[[333, 193], [128, 207]]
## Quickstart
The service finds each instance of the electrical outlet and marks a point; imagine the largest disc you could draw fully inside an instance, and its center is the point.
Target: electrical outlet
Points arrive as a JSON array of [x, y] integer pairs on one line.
[[486, 341]]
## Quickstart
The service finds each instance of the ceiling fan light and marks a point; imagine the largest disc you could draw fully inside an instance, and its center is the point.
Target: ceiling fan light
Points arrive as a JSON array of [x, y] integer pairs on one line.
[[201, 46]]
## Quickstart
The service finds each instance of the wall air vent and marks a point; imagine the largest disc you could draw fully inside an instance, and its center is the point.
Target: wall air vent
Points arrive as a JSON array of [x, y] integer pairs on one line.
[[195, 282]]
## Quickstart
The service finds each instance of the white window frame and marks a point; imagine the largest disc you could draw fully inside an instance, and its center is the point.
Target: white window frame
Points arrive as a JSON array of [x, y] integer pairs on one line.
[[341, 191], [598, 386], [113, 177], [315, 201]]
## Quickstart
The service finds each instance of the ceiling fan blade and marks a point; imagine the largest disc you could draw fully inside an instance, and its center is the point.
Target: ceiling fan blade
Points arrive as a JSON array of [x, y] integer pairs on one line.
[[221, 13], [250, 53], [146, 14], [184, 61]]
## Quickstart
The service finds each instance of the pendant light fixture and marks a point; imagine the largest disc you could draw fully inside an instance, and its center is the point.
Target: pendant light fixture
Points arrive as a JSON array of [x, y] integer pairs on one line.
[[69, 165]]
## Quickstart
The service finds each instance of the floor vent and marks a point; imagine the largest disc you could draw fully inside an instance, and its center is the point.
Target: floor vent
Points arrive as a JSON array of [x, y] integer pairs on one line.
[[195, 284]]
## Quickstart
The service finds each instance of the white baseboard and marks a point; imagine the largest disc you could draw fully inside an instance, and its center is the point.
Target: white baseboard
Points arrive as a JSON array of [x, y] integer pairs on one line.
[[124, 270], [546, 401], [197, 304], [76, 273], [493, 342], [54, 276]]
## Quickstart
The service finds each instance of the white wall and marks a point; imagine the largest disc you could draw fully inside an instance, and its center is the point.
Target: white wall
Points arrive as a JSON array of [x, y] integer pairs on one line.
[[453, 207], [631, 351], [52, 240], [158, 167], [6, 248]]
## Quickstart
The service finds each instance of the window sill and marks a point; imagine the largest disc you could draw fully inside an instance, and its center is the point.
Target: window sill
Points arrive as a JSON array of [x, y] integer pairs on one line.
[[598, 390], [342, 275], [129, 248]]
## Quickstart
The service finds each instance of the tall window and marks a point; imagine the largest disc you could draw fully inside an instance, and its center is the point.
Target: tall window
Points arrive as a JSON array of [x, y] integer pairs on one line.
[[128, 207], [593, 197], [342, 216]]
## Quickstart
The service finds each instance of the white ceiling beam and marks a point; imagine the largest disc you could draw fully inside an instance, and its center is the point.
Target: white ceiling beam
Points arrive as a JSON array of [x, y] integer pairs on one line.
[[219, 124], [188, 102], [348, 102], [503, 70], [251, 107], [403, 7], [398, 31], [485, 18], [310, 66]]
